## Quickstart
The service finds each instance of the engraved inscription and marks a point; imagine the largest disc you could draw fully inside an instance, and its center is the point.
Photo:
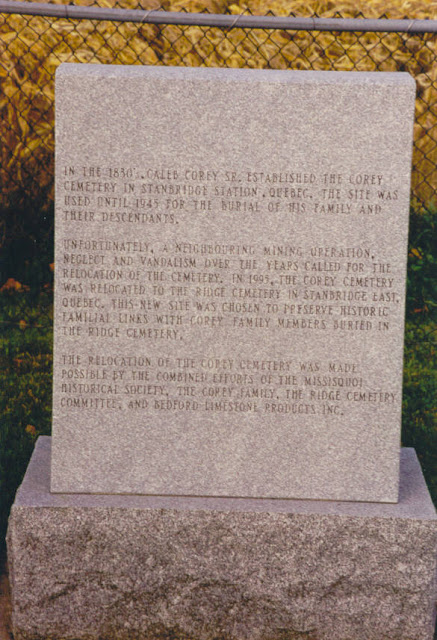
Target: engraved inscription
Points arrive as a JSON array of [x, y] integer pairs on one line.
[[215, 384], [158, 195], [150, 290]]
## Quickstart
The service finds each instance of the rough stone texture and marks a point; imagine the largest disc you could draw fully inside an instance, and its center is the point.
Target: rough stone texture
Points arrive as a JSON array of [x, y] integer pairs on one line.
[[149, 567], [294, 184]]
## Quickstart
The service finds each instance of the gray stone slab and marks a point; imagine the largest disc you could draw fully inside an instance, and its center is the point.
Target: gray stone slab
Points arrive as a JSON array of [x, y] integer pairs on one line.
[[230, 278], [143, 567]]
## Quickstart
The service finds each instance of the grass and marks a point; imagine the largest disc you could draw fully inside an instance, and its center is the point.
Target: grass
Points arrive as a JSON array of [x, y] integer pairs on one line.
[[419, 417], [25, 380]]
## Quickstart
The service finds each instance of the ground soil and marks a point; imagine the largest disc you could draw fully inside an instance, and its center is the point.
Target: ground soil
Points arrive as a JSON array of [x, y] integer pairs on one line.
[[5, 604]]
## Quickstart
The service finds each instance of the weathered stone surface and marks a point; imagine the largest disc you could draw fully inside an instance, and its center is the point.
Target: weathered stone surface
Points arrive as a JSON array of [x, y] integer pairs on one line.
[[148, 567], [239, 237]]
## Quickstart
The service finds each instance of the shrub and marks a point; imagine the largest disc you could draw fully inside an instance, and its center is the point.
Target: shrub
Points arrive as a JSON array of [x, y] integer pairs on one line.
[[25, 379]]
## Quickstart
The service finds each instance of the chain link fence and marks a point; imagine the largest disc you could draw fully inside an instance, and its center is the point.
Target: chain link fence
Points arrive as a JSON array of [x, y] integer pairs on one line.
[[32, 46]]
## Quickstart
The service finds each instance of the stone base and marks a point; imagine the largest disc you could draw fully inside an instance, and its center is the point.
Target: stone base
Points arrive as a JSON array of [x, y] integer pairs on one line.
[[150, 567]]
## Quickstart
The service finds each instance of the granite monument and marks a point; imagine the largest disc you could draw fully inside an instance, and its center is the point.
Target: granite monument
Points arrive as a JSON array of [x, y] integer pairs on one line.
[[230, 278], [230, 286]]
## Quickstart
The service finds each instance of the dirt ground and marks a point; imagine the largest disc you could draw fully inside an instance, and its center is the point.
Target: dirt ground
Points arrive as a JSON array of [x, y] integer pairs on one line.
[[5, 604]]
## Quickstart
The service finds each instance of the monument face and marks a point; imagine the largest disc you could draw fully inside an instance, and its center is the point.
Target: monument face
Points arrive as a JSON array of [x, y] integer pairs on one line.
[[230, 281]]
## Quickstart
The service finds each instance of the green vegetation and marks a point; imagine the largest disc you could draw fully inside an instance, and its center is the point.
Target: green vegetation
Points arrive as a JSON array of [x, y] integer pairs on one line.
[[419, 415], [25, 379]]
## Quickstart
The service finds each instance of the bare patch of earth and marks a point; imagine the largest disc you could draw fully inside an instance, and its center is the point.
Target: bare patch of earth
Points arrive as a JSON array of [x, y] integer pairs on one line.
[[5, 604]]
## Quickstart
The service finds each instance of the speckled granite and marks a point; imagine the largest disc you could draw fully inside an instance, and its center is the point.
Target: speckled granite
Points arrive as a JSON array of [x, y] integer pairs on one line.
[[230, 254], [89, 567]]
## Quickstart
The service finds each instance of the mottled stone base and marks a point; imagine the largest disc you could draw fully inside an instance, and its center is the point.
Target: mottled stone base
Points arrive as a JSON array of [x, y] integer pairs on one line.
[[143, 567]]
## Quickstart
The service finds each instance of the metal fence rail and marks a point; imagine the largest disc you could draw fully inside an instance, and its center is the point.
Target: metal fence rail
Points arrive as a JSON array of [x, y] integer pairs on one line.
[[36, 37], [224, 21]]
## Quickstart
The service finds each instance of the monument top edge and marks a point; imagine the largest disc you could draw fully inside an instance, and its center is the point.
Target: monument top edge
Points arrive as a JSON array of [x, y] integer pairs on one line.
[[91, 70]]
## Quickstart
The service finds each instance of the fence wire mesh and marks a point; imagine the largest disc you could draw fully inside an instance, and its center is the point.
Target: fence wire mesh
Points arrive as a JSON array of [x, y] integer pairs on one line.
[[32, 47]]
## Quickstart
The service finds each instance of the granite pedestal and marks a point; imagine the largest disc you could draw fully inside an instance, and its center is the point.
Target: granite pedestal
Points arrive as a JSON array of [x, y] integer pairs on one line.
[[99, 566]]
